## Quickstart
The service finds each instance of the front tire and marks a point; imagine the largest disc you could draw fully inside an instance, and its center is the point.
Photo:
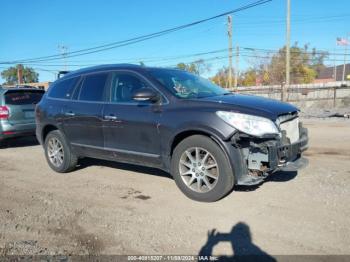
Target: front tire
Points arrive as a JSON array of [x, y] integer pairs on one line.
[[201, 169], [58, 153]]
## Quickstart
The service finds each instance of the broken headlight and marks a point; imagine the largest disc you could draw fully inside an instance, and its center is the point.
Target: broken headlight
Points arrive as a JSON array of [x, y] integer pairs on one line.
[[251, 125]]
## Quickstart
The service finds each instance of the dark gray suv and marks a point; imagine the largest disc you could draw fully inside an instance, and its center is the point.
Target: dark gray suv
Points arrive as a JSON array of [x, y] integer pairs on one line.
[[207, 138]]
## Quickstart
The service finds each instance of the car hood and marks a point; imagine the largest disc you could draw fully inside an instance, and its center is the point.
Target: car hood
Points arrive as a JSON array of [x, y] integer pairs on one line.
[[254, 105]]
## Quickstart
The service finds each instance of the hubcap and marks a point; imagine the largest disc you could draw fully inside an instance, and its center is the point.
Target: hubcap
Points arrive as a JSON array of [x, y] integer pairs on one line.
[[55, 152], [199, 169]]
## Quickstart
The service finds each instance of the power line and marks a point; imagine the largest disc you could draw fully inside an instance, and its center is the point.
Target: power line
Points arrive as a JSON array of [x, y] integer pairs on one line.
[[292, 58], [246, 52], [136, 60], [274, 22], [216, 58], [135, 39], [319, 52], [247, 49]]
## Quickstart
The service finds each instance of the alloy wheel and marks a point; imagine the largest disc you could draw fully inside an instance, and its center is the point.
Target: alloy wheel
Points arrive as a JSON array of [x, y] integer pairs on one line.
[[199, 169], [55, 152]]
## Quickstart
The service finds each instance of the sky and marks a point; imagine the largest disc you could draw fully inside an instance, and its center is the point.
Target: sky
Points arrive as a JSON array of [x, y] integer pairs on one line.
[[34, 28]]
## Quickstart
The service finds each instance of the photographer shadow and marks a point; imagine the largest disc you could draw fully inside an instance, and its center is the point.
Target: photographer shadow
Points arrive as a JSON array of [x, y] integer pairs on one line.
[[241, 241]]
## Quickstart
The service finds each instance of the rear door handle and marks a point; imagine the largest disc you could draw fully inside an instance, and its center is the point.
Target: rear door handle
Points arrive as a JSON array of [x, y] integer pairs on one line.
[[69, 114], [110, 117]]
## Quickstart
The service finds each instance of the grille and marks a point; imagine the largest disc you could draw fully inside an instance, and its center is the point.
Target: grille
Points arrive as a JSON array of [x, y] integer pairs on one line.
[[292, 129]]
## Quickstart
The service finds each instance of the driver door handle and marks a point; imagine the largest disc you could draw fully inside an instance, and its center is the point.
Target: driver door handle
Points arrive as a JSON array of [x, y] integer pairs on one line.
[[70, 113], [110, 117]]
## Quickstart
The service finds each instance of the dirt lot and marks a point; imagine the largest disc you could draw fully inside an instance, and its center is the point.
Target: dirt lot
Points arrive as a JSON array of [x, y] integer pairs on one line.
[[109, 208]]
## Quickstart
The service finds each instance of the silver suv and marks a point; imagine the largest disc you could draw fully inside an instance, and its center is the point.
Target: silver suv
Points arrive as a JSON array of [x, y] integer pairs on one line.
[[17, 107]]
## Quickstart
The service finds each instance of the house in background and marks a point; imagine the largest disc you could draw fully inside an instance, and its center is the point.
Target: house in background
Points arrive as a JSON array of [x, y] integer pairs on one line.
[[40, 85], [331, 74]]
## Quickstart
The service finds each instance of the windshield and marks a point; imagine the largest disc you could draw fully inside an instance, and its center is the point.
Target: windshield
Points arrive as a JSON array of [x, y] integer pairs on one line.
[[186, 85]]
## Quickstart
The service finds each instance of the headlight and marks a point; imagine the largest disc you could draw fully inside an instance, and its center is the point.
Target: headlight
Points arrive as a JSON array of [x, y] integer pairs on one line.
[[252, 125]]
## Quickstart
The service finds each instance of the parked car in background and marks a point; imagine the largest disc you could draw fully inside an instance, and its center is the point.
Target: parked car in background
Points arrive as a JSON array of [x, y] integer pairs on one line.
[[17, 107], [208, 138]]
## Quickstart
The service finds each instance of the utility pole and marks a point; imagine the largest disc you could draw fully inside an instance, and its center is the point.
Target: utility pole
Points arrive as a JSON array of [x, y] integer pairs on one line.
[[287, 50], [345, 54], [19, 74], [236, 68], [229, 32], [335, 80], [335, 66], [64, 50]]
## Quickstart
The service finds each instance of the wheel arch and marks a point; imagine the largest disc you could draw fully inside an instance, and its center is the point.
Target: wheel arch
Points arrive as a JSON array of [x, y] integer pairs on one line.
[[233, 155], [185, 134], [208, 131], [47, 129], [190, 132]]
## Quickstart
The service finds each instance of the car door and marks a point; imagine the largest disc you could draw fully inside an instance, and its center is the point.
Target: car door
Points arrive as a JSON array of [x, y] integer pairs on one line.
[[83, 122], [130, 127]]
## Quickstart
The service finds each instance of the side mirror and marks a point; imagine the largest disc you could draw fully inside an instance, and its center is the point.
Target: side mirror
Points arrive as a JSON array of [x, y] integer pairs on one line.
[[145, 94]]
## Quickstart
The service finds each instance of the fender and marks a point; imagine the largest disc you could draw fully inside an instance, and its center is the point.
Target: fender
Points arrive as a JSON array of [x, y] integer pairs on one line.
[[213, 133]]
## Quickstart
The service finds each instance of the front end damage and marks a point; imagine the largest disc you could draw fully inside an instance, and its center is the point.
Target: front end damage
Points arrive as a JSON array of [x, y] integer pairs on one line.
[[263, 156]]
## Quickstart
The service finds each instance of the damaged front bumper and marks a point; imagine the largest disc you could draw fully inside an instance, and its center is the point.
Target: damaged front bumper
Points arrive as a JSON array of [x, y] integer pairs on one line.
[[263, 156]]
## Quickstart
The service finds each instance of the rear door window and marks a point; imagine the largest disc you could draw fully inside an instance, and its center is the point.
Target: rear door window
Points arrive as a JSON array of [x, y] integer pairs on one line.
[[93, 87], [23, 97], [63, 89]]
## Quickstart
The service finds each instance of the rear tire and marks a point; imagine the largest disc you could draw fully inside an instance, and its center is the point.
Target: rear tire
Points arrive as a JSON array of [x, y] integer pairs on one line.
[[58, 153], [201, 169]]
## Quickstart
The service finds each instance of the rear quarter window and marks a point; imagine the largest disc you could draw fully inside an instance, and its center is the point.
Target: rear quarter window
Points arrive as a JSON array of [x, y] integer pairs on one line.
[[23, 97], [63, 89]]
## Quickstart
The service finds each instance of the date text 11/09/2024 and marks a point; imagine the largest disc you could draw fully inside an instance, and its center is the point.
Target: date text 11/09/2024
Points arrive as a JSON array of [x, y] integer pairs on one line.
[[172, 258]]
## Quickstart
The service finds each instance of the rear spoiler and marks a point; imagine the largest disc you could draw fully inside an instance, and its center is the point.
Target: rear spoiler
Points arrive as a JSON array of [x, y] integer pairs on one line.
[[14, 87], [12, 90], [62, 73], [25, 86]]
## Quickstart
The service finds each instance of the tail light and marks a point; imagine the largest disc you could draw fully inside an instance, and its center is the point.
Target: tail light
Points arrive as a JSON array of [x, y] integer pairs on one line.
[[4, 112]]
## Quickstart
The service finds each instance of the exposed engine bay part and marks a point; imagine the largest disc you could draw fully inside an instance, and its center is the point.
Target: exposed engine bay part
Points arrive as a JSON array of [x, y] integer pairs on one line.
[[256, 159], [291, 129], [263, 156]]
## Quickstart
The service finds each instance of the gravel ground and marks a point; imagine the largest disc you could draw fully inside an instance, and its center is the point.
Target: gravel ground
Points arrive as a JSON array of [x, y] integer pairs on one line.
[[111, 208]]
